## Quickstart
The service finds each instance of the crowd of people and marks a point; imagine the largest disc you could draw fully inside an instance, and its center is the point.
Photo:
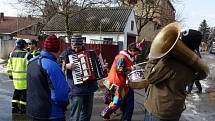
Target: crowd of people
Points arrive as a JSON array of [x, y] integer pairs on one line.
[[45, 89]]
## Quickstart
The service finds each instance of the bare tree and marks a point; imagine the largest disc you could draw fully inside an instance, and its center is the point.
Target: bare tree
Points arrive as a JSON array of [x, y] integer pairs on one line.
[[151, 10], [179, 4], [176, 1], [68, 8], [160, 12]]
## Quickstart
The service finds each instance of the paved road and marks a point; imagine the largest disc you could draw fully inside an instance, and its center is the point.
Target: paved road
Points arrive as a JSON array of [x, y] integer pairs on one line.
[[6, 91], [200, 107]]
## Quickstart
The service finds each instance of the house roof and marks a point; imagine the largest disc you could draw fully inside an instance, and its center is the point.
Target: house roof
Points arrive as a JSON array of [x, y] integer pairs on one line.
[[112, 19], [11, 24]]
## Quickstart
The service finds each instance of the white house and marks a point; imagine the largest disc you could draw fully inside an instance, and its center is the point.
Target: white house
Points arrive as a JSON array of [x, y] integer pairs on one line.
[[116, 25]]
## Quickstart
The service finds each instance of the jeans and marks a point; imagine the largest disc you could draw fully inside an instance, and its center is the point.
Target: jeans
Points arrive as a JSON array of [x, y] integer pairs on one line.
[[81, 107], [150, 117], [128, 106]]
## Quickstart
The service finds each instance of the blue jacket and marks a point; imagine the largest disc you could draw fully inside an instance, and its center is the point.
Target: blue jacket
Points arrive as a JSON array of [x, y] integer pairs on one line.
[[87, 88], [47, 88]]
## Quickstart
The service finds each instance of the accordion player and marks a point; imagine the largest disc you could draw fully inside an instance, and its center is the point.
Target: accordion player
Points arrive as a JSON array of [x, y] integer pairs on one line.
[[89, 66]]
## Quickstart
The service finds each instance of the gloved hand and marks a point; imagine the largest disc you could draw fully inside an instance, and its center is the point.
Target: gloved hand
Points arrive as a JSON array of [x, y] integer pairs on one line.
[[11, 77]]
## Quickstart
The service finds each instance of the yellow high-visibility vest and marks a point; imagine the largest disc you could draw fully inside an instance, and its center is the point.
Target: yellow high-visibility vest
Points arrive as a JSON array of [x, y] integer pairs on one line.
[[17, 68], [33, 52]]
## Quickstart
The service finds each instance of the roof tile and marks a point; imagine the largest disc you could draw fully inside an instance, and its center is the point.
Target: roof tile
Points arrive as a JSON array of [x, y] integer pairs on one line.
[[112, 19], [11, 24]]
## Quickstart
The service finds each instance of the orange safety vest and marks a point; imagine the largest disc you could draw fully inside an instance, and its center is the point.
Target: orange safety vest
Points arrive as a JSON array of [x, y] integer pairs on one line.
[[113, 76]]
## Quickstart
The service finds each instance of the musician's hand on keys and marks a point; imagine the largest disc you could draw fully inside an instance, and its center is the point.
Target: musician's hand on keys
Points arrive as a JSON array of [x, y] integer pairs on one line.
[[106, 65], [70, 66]]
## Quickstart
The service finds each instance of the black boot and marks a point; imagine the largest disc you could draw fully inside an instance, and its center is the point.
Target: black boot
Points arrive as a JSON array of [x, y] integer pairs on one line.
[[15, 108], [23, 109]]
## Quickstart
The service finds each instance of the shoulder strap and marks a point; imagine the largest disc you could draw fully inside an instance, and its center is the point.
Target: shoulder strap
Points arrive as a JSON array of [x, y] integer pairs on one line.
[[45, 73], [10, 59], [25, 61]]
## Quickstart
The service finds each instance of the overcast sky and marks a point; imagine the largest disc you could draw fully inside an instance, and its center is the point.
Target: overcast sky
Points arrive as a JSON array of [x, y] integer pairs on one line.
[[8, 7], [192, 11]]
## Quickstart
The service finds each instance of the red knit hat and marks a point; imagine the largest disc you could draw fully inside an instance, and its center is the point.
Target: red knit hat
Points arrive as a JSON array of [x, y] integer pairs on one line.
[[52, 44]]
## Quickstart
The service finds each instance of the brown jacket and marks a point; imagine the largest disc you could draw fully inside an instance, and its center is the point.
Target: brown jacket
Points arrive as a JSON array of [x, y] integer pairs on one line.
[[165, 96]]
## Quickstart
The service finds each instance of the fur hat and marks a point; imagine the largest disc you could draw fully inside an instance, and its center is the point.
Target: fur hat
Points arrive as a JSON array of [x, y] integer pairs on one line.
[[52, 43], [77, 40]]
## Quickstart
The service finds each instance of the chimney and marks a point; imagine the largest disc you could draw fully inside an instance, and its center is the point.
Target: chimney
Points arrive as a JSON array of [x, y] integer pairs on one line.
[[29, 16], [1, 16]]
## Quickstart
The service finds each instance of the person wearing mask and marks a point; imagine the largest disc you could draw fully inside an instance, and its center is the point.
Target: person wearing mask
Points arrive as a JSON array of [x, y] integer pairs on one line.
[[197, 41], [17, 69], [47, 93], [168, 77], [123, 96], [81, 95]]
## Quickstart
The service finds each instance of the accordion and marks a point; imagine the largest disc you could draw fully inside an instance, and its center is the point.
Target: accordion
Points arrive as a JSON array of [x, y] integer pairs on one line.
[[89, 66]]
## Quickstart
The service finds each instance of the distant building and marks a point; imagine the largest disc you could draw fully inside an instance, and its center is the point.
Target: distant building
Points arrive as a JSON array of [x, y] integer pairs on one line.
[[18, 26], [112, 25], [21, 27], [164, 14]]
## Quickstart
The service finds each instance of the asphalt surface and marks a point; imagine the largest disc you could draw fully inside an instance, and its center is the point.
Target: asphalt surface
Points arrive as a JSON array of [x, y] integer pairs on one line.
[[6, 92], [200, 107]]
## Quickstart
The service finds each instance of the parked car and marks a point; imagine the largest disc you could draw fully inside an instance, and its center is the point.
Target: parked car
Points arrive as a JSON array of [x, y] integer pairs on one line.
[[212, 49]]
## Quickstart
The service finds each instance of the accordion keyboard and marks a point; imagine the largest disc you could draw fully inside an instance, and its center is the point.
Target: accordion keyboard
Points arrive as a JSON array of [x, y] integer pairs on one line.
[[88, 66], [77, 72]]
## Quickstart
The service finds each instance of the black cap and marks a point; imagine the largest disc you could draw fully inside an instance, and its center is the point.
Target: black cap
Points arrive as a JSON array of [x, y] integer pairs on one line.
[[20, 43], [192, 38]]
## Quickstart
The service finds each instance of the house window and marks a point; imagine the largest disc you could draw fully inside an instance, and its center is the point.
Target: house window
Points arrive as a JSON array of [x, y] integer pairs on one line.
[[108, 40], [132, 25]]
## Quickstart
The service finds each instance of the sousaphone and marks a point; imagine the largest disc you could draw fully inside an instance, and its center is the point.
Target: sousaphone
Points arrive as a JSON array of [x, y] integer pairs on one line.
[[168, 40]]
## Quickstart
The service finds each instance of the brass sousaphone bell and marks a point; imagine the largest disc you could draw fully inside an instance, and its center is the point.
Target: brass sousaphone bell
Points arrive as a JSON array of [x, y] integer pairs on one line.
[[168, 41]]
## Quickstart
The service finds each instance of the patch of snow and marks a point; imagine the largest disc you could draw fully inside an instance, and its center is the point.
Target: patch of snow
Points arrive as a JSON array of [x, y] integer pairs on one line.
[[3, 68], [2, 60]]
